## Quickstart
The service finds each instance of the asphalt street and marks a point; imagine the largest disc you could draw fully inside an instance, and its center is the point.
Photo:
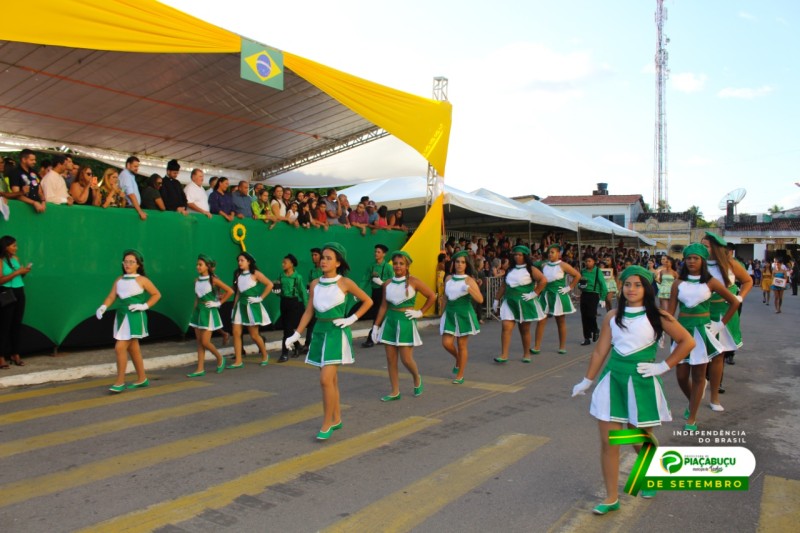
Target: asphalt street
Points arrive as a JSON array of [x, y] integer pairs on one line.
[[509, 450]]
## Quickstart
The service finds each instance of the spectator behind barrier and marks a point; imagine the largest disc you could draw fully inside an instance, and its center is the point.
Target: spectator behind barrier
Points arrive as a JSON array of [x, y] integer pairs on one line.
[[151, 194], [111, 194], [84, 189]]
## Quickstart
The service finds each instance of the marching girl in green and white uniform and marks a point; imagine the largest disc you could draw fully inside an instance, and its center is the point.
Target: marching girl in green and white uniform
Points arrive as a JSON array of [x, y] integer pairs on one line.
[[665, 277], [332, 341], [520, 305], [397, 322], [205, 315], [555, 298], [132, 294], [610, 274], [730, 336], [459, 320], [251, 286], [693, 290], [630, 390]]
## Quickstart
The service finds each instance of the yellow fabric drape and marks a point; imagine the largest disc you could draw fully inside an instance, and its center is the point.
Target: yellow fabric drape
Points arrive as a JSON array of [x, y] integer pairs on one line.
[[115, 25], [150, 27], [424, 246], [422, 123]]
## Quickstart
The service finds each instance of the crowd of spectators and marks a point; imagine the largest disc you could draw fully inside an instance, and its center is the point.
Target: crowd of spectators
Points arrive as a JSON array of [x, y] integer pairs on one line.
[[59, 181], [493, 253]]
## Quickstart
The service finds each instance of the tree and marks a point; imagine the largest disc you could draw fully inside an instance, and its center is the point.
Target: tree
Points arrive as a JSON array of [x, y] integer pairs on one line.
[[695, 211], [664, 207], [774, 209]]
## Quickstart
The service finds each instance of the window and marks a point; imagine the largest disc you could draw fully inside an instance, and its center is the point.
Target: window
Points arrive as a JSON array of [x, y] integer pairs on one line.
[[616, 219]]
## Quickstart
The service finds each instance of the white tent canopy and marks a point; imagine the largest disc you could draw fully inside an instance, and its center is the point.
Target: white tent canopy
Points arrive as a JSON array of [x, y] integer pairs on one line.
[[403, 193], [587, 223], [624, 232], [545, 216]]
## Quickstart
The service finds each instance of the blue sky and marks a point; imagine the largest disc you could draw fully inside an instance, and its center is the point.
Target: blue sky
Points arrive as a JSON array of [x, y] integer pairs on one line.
[[551, 97]]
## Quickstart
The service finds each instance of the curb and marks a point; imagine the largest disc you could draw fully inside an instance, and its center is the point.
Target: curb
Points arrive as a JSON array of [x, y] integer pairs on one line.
[[153, 363]]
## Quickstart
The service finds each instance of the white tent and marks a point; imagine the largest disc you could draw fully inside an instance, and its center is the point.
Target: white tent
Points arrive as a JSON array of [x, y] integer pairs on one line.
[[587, 223], [544, 214], [621, 231], [581, 221], [404, 193]]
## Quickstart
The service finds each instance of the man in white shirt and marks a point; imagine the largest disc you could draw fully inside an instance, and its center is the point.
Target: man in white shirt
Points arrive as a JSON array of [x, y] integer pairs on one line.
[[196, 198], [53, 184]]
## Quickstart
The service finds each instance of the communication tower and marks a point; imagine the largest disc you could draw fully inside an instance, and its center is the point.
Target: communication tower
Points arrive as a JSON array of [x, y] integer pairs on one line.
[[434, 187], [660, 189]]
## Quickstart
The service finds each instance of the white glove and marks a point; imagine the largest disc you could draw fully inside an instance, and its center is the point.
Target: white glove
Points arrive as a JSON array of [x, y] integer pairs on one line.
[[602, 305], [213, 303], [413, 313], [254, 299], [291, 340], [138, 307], [564, 290], [715, 328], [465, 288], [344, 322], [581, 387], [739, 297], [377, 281], [651, 370], [528, 296], [496, 305], [100, 311], [374, 334]]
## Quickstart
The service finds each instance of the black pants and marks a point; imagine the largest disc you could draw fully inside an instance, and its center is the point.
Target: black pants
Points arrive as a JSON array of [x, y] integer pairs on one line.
[[589, 301], [291, 312], [377, 300], [11, 324]]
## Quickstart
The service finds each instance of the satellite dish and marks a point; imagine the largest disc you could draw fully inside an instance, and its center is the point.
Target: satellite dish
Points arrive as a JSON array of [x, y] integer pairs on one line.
[[734, 197]]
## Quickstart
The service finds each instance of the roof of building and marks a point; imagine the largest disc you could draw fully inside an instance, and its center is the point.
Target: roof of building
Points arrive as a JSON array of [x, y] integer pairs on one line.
[[594, 199], [777, 224], [683, 216]]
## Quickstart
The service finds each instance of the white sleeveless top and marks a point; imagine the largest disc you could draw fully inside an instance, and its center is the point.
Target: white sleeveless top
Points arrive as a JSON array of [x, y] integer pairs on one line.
[[127, 286], [714, 270], [553, 272], [202, 286], [637, 335], [519, 276], [396, 292], [246, 281], [327, 297], [454, 288], [693, 294]]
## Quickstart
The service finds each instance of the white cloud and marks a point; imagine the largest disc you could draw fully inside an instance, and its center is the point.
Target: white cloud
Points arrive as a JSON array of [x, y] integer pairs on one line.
[[534, 65], [747, 16], [745, 93], [688, 82], [649, 68]]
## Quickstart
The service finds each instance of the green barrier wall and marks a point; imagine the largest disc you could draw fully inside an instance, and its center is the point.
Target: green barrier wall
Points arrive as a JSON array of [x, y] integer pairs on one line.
[[76, 253]]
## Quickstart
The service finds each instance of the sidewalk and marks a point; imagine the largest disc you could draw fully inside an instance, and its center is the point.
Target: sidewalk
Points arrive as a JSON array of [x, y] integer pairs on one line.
[[69, 366]]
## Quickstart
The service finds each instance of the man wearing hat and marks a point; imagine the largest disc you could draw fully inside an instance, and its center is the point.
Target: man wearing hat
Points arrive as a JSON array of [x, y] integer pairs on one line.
[[593, 292], [294, 299], [372, 211], [172, 190], [377, 273]]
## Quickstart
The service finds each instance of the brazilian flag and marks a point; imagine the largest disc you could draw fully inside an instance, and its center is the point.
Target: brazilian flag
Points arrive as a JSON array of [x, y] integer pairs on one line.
[[262, 64]]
